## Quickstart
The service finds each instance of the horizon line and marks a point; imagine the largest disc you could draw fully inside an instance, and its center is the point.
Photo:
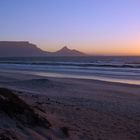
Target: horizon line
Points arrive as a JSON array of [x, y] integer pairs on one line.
[[84, 53]]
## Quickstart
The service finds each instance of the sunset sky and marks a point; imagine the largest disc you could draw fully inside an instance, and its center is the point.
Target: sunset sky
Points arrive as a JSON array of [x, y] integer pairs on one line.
[[107, 27]]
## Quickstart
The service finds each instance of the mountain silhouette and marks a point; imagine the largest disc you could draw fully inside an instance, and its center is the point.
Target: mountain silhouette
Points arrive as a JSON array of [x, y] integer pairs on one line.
[[17, 49], [26, 49], [65, 51]]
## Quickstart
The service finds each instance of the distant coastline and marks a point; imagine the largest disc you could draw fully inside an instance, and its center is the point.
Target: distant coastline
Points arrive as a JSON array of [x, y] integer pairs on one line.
[[26, 49]]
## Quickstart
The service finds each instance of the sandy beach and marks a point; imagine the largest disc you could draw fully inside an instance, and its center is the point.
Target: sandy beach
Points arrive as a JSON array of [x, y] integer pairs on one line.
[[70, 70], [77, 109]]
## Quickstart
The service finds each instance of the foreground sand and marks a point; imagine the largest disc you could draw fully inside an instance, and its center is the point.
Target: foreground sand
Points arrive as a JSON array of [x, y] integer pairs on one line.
[[88, 109]]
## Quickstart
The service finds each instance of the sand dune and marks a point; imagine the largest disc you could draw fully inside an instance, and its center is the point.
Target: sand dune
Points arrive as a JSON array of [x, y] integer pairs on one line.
[[18, 120]]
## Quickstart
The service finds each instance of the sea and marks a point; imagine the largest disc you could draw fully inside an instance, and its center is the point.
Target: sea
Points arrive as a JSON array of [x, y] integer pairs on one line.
[[122, 69]]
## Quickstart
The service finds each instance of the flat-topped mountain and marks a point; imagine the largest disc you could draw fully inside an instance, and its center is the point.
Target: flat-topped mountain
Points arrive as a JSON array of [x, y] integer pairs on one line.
[[26, 49], [16, 49]]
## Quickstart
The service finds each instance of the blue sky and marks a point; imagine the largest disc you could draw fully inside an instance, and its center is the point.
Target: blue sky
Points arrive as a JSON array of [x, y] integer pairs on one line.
[[93, 26]]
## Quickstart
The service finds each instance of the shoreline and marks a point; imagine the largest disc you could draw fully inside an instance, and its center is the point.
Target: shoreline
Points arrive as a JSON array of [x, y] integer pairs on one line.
[[73, 76]]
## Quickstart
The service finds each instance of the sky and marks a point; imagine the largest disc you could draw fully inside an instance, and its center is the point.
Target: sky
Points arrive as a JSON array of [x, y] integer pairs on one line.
[[99, 27]]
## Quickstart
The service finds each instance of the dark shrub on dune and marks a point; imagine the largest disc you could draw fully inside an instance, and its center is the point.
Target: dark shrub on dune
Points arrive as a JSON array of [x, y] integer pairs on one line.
[[17, 109]]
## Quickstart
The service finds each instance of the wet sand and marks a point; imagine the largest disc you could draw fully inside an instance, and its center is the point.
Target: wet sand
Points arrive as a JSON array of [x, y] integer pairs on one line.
[[87, 109]]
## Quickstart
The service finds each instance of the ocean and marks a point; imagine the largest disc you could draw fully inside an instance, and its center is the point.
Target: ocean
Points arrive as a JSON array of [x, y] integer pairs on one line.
[[106, 68]]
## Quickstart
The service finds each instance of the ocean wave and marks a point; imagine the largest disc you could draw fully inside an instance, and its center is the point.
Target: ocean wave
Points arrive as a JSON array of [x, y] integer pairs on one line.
[[101, 64]]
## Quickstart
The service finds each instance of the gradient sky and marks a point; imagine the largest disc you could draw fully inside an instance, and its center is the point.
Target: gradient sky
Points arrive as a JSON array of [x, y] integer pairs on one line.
[[92, 26]]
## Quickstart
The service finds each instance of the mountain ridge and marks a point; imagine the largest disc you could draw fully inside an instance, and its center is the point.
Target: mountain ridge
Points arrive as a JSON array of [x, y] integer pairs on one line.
[[66, 51], [25, 49]]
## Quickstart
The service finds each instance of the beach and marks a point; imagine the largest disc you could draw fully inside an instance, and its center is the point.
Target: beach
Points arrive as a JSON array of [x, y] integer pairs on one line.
[[86, 109], [70, 70]]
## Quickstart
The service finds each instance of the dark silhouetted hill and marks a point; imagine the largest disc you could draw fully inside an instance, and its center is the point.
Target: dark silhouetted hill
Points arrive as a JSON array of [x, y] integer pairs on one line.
[[15, 49], [65, 51], [25, 49]]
